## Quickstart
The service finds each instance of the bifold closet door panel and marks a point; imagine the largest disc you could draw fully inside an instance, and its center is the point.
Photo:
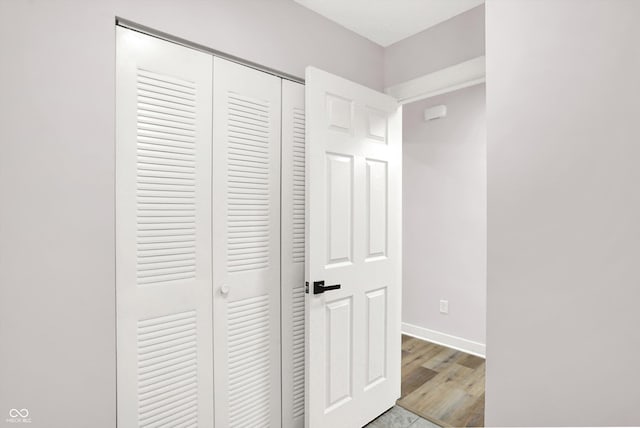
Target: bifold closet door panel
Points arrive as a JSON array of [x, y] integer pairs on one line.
[[293, 193], [246, 246], [163, 233]]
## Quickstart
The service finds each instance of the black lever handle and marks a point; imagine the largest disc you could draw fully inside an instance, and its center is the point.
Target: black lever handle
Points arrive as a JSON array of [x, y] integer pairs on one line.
[[319, 287]]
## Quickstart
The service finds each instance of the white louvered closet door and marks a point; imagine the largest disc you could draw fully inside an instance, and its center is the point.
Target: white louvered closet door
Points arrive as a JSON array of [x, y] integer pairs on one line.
[[163, 233], [292, 256], [246, 245]]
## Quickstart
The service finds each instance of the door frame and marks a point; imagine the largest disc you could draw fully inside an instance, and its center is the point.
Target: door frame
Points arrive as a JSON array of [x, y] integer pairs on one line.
[[449, 79]]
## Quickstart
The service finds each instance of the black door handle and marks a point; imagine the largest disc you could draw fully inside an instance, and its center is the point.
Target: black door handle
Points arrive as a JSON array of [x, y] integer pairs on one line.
[[319, 287]]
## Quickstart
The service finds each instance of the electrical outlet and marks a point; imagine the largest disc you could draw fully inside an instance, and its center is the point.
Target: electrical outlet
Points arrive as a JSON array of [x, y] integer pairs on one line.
[[444, 306]]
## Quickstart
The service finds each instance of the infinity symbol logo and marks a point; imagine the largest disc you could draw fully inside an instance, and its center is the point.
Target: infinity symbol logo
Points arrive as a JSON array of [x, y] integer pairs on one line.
[[15, 413]]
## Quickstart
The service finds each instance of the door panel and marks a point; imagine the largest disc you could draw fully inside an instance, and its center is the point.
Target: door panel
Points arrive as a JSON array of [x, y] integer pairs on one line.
[[376, 314], [292, 253], [339, 203], [339, 336], [377, 179], [353, 173], [163, 233], [246, 246]]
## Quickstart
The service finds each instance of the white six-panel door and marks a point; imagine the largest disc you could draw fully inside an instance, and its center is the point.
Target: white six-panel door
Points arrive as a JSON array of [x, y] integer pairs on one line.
[[246, 246], [353, 239], [163, 234], [292, 254]]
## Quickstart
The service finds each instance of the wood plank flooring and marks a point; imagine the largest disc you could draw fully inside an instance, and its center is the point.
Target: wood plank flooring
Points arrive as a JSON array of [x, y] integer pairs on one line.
[[441, 384]]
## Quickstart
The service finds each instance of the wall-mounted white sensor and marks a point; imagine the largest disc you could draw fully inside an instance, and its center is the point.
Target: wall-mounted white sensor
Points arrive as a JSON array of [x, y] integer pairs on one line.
[[436, 112]]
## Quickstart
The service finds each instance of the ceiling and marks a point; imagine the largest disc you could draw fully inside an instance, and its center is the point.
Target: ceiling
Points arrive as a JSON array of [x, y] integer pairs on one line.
[[388, 21]]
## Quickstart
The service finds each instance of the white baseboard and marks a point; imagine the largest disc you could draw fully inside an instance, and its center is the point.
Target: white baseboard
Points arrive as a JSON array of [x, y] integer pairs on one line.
[[455, 342]]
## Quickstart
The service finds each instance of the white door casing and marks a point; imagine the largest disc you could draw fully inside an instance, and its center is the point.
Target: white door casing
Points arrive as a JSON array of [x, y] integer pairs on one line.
[[292, 259], [163, 233], [353, 203], [246, 246]]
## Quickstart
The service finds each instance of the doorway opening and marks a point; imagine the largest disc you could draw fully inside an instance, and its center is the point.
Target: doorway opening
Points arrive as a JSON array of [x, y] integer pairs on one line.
[[444, 257]]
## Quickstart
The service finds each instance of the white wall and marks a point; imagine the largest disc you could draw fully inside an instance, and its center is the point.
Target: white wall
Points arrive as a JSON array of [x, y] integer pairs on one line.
[[57, 249], [564, 213], [451, 42], [444, 224]]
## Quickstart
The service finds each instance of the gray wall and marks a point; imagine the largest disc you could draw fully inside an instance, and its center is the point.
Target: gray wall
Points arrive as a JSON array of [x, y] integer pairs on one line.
[[564, 212], [444, 215], [57, 273], [453, 41]]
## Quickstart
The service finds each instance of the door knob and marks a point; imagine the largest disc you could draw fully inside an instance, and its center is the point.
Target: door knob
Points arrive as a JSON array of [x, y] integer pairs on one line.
[[224, 290], [319, 287]]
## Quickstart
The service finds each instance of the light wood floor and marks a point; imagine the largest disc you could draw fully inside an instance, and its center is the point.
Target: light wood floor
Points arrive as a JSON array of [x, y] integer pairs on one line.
[[441, 384]]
